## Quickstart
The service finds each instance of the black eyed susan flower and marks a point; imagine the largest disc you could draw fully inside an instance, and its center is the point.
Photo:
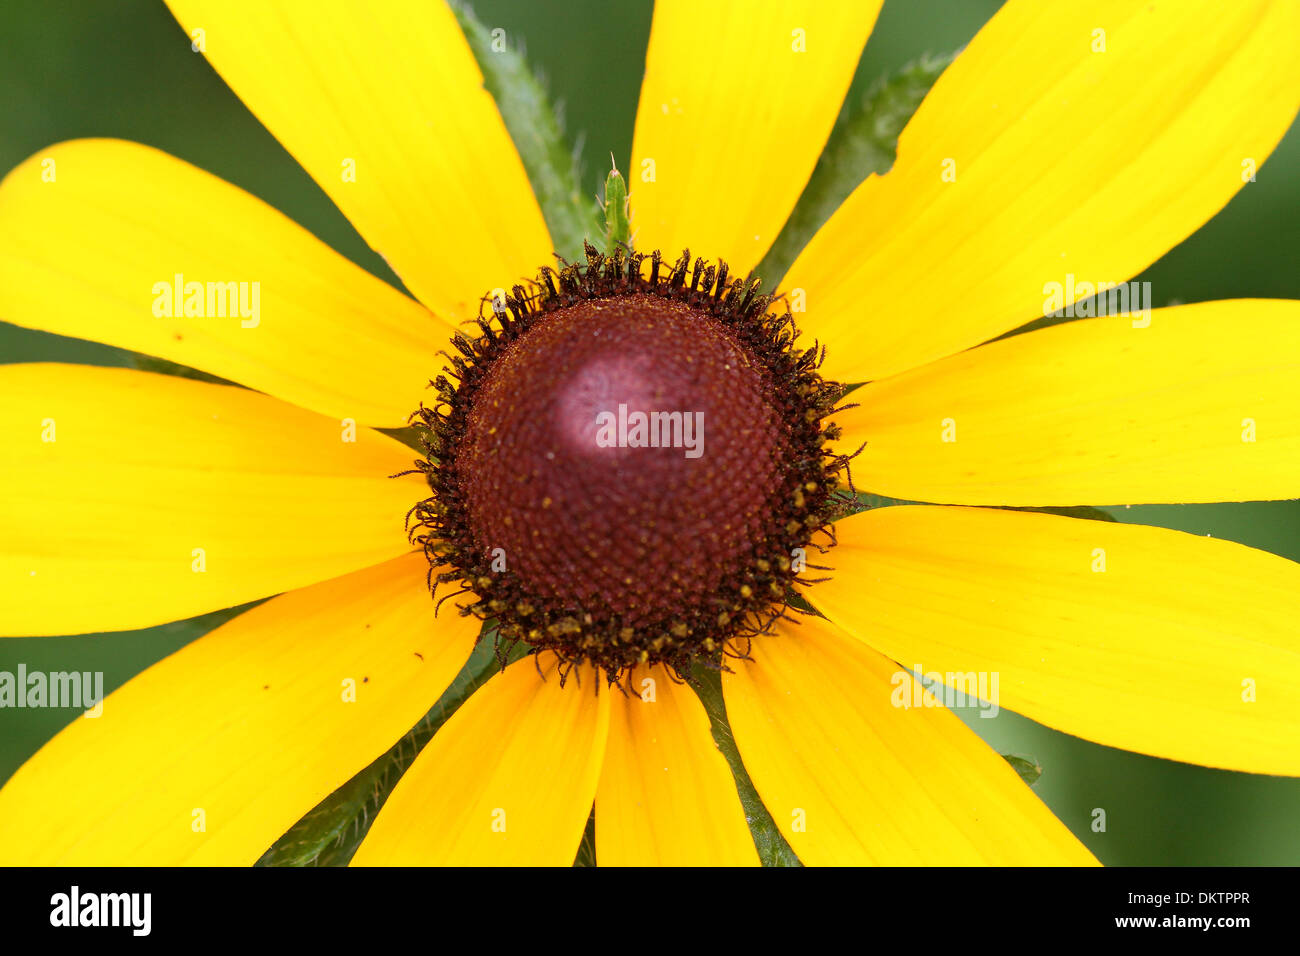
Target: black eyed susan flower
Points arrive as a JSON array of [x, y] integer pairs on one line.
[[622, 564]]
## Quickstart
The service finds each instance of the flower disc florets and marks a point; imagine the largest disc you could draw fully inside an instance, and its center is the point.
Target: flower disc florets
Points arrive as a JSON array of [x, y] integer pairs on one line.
[[629, 463]]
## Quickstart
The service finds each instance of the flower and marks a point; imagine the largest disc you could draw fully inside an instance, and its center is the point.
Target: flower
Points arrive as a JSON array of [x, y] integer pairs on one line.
[[1040, 157]]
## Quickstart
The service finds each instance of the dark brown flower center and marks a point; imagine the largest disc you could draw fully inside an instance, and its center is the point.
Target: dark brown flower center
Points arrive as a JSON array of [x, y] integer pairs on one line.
[[622, 455], [630, 468]]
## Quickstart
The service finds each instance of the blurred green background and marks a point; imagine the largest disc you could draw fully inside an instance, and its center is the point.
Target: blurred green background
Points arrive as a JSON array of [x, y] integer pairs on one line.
[[123, 68]]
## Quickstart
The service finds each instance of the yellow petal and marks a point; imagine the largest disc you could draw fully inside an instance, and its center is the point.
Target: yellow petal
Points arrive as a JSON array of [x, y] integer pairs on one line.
[[98, 237], [1202, 405], [1151, 640], [1037, 157], [135, 499], [211, 754], [387, 111], [666, 796], [507, 781], [852, 777], [738, 99]]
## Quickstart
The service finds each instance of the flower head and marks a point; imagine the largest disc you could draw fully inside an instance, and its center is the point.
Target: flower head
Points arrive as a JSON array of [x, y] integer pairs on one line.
[[634, 467]]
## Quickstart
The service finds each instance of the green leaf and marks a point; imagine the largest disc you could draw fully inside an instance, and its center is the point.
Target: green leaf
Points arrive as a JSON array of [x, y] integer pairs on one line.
[[772, 848], [618, 224], [587, 848], [535, 127], [331, 832], [863, 142], [1075, 511], [866, 502], [1028, 768], [408, 436], [151, 363]]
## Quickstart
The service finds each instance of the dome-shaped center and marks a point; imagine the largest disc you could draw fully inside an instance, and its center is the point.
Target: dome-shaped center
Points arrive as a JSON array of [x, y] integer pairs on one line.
[[621, 458]]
